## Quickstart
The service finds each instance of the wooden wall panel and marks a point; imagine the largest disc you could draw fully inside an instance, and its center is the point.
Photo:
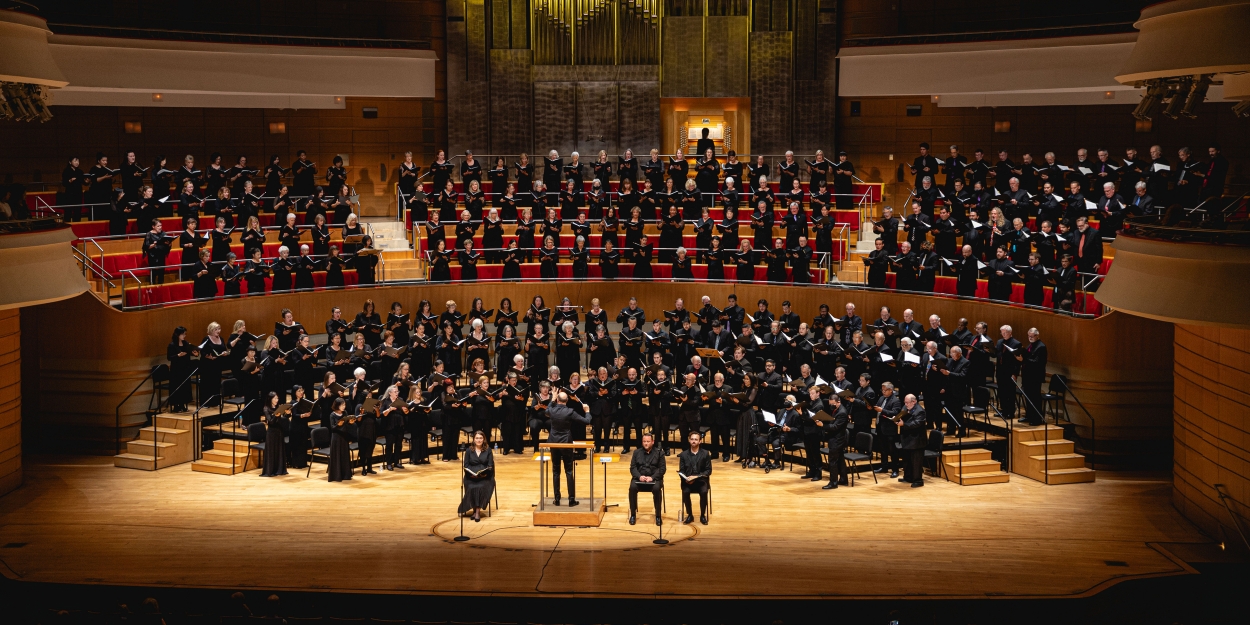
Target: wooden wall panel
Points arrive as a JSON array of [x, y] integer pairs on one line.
[[1212, 432], [597, 119], [10, 400], [771, 98], [555, 125], [639, 108], [1124, 381], [512, 118]]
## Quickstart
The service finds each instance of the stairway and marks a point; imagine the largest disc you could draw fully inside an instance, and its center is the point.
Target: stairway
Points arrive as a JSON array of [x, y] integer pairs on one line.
[[222, 457], [1041, 453], [389, 234], [170, 439], [977, 467]]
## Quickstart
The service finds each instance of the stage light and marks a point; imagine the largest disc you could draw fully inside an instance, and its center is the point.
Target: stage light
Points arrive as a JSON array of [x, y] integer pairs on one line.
[[1197, 93], [1242, 109], [157, 97], [1149, 105], [1178, 92], [24, 102]]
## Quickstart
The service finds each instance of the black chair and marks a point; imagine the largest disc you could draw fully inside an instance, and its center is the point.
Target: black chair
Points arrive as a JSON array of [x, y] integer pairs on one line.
[[231, 396], [320, 447], [980, 401], [862, 453], [799, 447], [255, 441], [933, 449], [1055, 399]]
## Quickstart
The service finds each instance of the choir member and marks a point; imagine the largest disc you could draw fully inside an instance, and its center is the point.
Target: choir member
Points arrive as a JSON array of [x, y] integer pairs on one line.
[[156, 250], [695, 469], [72, 179], [277, 426], [924, 166], [478, 477]]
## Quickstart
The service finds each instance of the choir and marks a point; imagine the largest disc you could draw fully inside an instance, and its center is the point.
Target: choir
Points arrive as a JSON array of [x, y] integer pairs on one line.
[[755, 382]]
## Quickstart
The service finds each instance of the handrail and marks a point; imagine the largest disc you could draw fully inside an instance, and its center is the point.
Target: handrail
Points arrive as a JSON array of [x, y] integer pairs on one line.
[[1093, 425], [1222, 492], [89, 264], [959, 441], [117, 413], [195, 425], [1045, 431]]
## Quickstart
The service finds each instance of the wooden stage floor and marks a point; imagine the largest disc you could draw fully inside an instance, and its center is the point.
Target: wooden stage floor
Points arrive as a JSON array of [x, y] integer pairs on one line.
[[80, 520]]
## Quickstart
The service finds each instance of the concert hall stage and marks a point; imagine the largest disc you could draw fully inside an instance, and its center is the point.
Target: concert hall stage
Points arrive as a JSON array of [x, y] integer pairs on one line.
[[80, 520]]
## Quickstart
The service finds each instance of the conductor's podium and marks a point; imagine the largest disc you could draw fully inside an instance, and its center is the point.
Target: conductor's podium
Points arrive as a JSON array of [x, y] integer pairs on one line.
[[589, 510]]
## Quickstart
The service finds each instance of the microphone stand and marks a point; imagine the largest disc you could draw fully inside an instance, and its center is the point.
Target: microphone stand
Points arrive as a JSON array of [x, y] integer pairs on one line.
[[661, 540], [461, 538]]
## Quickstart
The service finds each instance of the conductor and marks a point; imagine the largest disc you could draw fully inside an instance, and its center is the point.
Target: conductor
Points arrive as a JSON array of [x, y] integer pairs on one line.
[[647, 468], [562, 420]]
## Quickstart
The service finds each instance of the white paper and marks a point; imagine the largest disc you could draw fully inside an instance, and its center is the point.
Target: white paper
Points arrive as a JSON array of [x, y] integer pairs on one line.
[[1090, 205], [1113, 167], [769, 417], [1085, 170], [911, 358], [820, 381], [1057, 198], [886, 357], [996, 193], [1160, 167], [974, 223], [942, 333], [1128, 163], [980, 265], [1063, 168]]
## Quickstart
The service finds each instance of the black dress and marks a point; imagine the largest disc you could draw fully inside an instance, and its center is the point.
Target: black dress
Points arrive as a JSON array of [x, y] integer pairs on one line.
[[298, 441], [179, 371], [276, 430], [204, 286], [341, 439], [478, 489]]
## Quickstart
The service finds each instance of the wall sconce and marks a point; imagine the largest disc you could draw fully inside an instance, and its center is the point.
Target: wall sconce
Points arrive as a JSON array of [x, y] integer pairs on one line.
[[157, 97], [934, 99], [1002, 126], [134, 128], [1143, 125], [1108, 95], [277, 128]]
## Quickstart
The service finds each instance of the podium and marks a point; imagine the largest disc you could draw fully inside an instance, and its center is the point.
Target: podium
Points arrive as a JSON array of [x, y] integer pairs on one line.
[[589, 511]]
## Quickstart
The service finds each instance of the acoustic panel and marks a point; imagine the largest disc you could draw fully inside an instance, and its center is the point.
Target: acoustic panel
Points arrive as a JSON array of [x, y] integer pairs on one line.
[[771, 100], [511, 102], [596, 119], [475, 40], [683, 57], [639, 116], [555, 117], [725, 68]]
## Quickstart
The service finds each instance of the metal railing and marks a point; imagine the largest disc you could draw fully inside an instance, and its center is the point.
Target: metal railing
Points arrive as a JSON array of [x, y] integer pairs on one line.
[[1093, 424], [117, 412]]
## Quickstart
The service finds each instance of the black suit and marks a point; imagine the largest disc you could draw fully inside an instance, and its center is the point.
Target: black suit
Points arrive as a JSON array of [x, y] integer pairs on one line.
[[913, 437], [1005, 370], [835, 434], [887, 432], [650, 464], [563, 420], [956, 395], [1033, 372]]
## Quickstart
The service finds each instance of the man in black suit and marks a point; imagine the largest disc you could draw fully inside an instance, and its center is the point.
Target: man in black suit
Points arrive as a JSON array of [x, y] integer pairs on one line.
[[1086, 244], [1142, 204], [1033, 372], [835, 434], [931, 364], [850, 323], [811, 430], [563, 419], [722, 341], [1217, 172], [925, 166], [911, 425], [955, 395], [887, 407], [647, 467], [786, 433], [1111, 209], [1005, 371]]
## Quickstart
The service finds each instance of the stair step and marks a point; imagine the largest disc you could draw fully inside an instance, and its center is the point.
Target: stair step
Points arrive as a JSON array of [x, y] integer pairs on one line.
[[130, 456], [163, 430], [210, 466], [1069, 476], [971, 464], [990, 477], [1053, 457], [140, 442], [952, 455], [1036, 432]]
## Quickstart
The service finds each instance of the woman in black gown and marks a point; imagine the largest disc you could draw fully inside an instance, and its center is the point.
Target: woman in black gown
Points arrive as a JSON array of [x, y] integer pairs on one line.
[[468, 261], [512, 262], [342, 435], [190, 243], [204, 285], [179, 355], [715, 259], [440, 263], [681, 266], [365, 264], [277, 425], [213, 360], [254, 273], [640, 255], [478, 478]]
